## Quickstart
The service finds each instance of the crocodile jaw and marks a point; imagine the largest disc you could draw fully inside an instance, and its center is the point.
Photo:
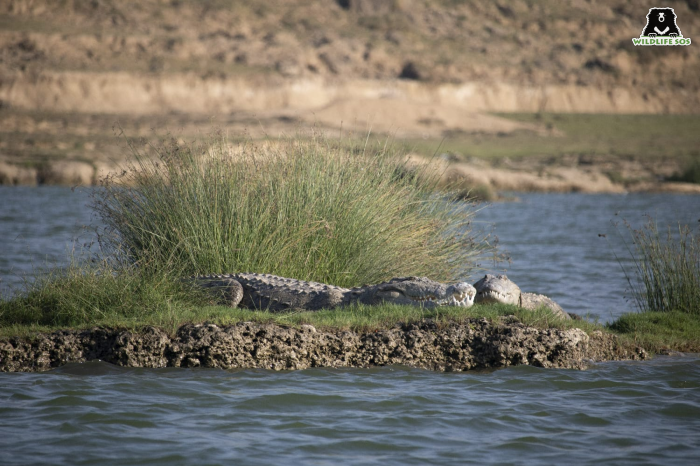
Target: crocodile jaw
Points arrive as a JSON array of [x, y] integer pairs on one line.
[[454, 300], [461, 295], [493, 296]]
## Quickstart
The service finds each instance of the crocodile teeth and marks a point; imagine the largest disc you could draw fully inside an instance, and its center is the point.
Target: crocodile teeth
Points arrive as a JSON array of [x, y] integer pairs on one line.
[[459, 299], [492, 295]]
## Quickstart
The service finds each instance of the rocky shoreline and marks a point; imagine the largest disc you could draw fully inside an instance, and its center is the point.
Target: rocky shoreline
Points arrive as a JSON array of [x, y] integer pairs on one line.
[[469, 345]]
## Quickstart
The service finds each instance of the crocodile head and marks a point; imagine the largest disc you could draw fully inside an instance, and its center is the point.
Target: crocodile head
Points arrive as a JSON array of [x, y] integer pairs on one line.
[[420, 291], [497, 289]]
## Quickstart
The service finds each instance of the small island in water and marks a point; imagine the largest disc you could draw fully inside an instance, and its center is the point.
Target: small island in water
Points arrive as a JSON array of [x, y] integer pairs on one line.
[[325, 212]]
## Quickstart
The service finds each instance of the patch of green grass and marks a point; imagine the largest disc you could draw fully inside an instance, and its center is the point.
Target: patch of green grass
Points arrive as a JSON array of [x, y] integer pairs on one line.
[[625, 136], [366, 317], [85, 295], [82, 299], [659, 331], [17, 23]]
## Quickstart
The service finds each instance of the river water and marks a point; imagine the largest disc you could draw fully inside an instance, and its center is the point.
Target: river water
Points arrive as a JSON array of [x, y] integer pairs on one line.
[[612, 413]]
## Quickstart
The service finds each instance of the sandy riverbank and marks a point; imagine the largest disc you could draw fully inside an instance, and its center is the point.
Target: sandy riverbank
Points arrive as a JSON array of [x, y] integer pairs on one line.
[[477, 175]]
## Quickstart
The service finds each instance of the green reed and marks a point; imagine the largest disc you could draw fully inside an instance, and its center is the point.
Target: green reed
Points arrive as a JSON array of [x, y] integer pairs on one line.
[[667, 269]]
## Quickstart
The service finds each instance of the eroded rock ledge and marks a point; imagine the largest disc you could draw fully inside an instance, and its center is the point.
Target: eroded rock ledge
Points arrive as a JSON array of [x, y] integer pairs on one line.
[[473, 344]]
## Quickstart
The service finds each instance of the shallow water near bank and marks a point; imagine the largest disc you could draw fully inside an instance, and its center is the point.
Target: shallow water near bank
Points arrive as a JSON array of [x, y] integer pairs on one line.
[[613, 413]]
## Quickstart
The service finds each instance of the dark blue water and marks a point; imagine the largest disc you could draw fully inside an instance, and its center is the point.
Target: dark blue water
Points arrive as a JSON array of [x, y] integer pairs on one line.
[[42, 228], [613, 413]]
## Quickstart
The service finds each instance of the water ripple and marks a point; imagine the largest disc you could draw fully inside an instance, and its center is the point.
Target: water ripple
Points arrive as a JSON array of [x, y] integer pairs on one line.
[[614, 413]]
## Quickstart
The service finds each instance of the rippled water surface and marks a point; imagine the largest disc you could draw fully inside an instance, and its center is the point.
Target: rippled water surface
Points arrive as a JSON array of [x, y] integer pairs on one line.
[[39, 227], [613, 413], [556, 249]]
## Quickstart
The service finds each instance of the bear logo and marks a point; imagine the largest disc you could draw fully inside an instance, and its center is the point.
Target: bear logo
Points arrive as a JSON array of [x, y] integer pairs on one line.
[[661, 22]]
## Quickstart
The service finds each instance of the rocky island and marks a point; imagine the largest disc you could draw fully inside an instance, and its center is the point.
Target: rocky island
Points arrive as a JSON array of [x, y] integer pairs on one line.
[[471, 345], [453, 345]]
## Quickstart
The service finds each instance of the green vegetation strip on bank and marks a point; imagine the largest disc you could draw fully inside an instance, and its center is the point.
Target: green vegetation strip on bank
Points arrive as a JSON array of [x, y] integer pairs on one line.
[[81, 298], [356, 317], [645, 137], [659, 331]]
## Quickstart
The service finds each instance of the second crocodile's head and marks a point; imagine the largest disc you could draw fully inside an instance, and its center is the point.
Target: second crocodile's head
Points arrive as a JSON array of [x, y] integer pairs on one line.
[[497, 289], [422, 291]]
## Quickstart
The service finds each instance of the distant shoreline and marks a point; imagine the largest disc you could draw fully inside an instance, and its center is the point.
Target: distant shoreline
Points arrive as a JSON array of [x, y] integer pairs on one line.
[[476, 176]]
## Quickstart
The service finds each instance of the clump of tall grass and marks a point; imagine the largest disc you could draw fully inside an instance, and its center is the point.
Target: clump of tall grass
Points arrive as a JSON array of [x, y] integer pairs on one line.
[[87, 293], [307, 208], [667, 269]]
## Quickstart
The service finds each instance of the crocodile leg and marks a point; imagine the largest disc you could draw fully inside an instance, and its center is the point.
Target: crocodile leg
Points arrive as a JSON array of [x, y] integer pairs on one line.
[[226, 290]]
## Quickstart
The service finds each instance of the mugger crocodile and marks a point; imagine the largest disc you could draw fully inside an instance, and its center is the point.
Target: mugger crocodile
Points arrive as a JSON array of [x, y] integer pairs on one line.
[[500, 289], [275, 293]]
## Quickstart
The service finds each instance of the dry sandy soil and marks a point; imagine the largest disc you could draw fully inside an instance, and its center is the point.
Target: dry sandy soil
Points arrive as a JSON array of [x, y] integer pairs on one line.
[[75, 74]]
